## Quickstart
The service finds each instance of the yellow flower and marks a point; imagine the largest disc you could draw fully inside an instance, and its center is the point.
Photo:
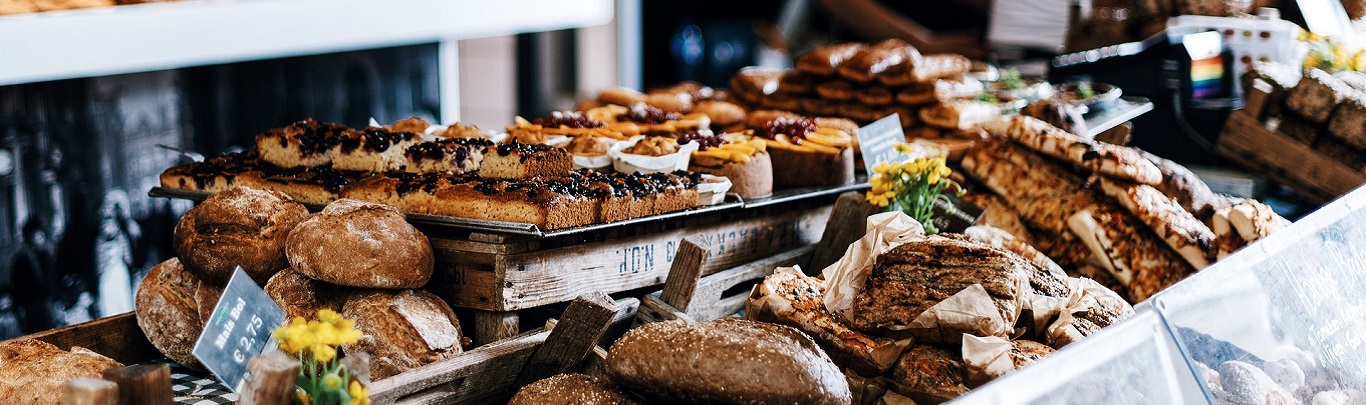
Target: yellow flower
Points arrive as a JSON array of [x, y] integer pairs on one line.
[[359, 394], [904, 148], [1358, 61], [932, 178], [881, 167], [329, 316], [323, 353], [331, 382], [877, 199]]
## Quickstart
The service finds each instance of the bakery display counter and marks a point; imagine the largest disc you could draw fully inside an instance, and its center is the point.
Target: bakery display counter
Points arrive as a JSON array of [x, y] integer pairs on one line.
[[1277, 322]]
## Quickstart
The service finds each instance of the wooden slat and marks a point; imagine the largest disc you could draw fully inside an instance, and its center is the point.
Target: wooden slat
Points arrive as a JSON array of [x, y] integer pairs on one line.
[[1250, 144], [685, 272], [142, 384], [117, 337], [90, 391], [654, 309], [583, 324], [709, 303], [537, 278], [492, 326], [271, 378], [845, 226], [485, 371]]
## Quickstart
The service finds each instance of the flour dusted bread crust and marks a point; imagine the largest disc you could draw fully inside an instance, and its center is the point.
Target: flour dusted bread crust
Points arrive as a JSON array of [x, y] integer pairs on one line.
[[403, 330], [682, 362], [172, 306], [361, 244], [571, 389], [300, 296], [237, 227], [1184, 233], [1316, 95], [33, 372]]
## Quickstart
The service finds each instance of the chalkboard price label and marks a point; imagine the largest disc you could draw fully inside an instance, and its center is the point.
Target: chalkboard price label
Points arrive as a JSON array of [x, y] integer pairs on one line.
[[239, 330], [877, 142]]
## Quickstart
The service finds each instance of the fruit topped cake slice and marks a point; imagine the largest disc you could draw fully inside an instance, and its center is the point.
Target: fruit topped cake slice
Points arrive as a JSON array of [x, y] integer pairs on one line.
[[373, 149], [742, 159], [806, 153], [306, 143]]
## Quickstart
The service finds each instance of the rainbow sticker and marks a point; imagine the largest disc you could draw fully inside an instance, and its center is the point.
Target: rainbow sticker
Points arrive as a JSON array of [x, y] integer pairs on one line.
[[1207, 77]]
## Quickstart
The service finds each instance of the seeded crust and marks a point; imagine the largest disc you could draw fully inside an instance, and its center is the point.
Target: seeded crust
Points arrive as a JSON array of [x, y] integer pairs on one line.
[[728, 361], [360, 244], [929, 374], [918, 275], [575, 389], [237, 227], [403, 330], [1316, 95], [1025, 352]]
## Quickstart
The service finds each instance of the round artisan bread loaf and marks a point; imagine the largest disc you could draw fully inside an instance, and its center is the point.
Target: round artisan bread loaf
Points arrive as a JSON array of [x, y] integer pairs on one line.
[[172, 306], [237, 227], [726, 361], [361, 244], [403, 329], [33, 372], [304, 297], [566, 389]]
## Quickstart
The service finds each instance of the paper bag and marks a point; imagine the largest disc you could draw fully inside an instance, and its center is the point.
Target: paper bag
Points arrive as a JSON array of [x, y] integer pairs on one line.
[[845, 278], [1087, 295], [970, 311]]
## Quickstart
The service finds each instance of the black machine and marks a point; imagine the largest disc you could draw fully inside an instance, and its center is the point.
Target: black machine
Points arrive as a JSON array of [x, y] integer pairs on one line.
[[1187, 74]]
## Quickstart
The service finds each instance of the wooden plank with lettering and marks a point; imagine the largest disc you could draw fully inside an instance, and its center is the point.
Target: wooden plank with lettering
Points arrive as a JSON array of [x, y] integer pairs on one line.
[[845, 226], [508, 282], [1248, 142]]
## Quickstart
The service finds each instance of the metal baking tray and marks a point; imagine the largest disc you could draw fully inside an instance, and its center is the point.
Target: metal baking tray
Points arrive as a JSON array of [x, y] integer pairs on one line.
[[731, 202]]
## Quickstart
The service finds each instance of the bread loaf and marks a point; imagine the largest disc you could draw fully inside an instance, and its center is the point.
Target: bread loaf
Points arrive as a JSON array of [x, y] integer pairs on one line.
[[1316, 95], [33, 372], [172, 307], [681, 362], [403, 330], [929, 375], [302, 296], [571, 389], [237, 227], [361, 244]]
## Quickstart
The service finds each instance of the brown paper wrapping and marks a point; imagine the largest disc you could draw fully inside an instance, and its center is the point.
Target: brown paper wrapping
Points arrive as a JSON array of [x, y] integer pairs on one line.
[[1085, 292], [790, 298], [986, 358], [846, 277], [970, 311]]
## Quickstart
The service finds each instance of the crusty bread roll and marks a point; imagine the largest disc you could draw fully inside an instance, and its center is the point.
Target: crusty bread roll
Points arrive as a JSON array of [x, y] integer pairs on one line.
[[172, 308], [360, 244], [571, 389], [681, 362], [33, 372], [403, 329], [302, 296], [237, 227]]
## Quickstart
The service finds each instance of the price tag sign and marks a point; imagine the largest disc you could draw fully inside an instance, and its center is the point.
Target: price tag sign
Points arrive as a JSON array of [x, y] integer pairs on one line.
[[239, 330], [876, 142], [956, 216]]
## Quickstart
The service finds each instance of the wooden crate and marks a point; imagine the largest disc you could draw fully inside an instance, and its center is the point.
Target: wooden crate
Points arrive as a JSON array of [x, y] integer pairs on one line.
[[690, 296], [498, 276], [486, 374], [1251, 144]]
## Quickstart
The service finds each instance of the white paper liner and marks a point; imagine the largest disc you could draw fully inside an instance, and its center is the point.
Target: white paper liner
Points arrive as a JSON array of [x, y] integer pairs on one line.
[[630, 163], [712, 190], [601, 162], [986, 358], [846, 277]]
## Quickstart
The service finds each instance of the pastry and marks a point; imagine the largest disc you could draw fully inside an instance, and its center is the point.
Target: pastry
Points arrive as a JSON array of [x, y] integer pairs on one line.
[[1110, 160], [826, 60], [744, 161], [794, 83], [722, 113], [805, 154], [835, 90], [929, 375], [34, 371], [172, 308], [372, 149], [566, 389], [752, 84], [960, 114], [305, 143], [927, 68], [620, 96], [1185, 234], [875, 96], [411, 124], [943, 90], [871, 62], [300, 296], [458, 130]]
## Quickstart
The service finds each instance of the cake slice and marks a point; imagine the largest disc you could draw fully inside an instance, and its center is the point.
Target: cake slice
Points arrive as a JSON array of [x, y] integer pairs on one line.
[[806, 153], [373, 150], [213, 175], [306, 143], [516, 160], [455, 155], [745, 162], [309, 185]]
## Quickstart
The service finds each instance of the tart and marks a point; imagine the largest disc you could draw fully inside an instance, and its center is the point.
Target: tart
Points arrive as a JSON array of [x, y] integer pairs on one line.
[[806, 154], [742, 159]]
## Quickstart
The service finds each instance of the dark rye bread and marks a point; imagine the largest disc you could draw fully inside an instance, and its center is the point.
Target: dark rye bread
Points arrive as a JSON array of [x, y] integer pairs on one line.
[[914, 277], [727, 361], [33, 372], [361, 244], [403, 330], [237, 227], [172, 306], [571, 389], [929, 374], [300, 296]]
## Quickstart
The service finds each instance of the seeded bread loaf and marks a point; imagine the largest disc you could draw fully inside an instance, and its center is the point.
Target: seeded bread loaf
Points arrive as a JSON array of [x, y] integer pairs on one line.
[[1316, 95], [571, 389], [172, 306], [1348, 122]]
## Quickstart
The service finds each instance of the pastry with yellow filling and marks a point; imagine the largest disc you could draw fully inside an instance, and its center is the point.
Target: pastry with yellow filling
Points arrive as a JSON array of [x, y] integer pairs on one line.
[[806, 153], [742, 159]]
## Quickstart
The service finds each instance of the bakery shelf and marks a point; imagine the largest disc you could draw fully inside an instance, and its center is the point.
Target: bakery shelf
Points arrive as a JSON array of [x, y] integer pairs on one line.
[[156, 36], [792, 194]]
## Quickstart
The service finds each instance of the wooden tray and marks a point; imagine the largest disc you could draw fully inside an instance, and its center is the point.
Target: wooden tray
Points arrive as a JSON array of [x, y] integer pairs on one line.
[[1249, 143]]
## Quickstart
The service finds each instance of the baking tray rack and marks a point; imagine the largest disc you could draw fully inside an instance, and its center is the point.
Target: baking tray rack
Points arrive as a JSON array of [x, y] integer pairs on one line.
[[731, 202]]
